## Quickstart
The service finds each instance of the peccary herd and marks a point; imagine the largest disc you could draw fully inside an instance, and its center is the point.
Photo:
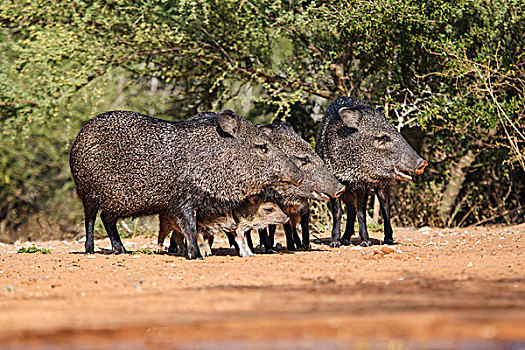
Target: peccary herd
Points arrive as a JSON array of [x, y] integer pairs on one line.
[[218, 173]]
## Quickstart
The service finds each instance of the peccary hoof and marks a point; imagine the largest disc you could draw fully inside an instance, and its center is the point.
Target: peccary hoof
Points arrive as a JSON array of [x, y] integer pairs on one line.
[[172, 250], [90, 249], [336, 244], [389, 241], [120, 250], [366, 244], [345, 242], [195, 257]]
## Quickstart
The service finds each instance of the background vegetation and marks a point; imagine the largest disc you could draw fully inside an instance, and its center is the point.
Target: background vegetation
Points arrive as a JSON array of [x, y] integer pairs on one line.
[[451, 76]]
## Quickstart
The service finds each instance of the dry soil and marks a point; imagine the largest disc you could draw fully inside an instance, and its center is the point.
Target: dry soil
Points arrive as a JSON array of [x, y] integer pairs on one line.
[[435, 289]]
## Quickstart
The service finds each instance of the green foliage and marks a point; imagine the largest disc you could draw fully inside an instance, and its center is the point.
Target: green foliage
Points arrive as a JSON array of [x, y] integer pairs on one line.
[[454, 69], [145, 251], [34, 249]]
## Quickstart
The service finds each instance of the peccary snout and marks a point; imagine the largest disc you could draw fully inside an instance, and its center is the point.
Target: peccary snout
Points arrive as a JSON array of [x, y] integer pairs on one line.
[[416, 166], [421, 167]]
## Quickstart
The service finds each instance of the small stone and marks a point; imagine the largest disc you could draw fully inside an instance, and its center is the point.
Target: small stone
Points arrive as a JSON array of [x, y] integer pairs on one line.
[[387, 250]]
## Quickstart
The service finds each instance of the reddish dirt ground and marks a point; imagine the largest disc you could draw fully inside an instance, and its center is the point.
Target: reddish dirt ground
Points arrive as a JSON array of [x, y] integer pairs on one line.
[[437, 289]]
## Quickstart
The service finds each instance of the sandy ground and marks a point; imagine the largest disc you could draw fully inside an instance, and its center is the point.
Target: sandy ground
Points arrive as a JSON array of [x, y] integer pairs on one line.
[[462, 288]]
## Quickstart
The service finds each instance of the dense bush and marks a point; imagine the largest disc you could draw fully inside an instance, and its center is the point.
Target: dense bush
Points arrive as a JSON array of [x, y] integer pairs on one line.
[[456, 71]]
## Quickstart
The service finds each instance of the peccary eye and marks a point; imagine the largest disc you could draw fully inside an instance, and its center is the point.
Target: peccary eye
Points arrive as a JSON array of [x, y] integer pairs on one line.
[[268, 210], [304, 160], [383, 139], [262, 147]]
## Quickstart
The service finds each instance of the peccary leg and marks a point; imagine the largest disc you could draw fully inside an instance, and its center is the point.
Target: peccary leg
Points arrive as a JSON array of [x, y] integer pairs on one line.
[[204, 246], [271, 235], [351, 212], [110, 224], [296, 239], [164, 230], [362, 199], [90, 216], [383, 194], [249, 240], [177, 243], [188, 224], [265, 240], [305, 218], [242, 242], [209, 240], [337, 214], [231, 240], [290, 245], [174, 247]]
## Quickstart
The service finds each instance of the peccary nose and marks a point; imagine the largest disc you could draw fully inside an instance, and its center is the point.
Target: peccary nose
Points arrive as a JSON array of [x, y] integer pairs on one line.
[[421, 167], [340, 191]]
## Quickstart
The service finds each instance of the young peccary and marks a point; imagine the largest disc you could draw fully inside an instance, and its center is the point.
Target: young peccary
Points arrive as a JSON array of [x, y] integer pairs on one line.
[[206, 229], [319, 184], [364, 151], [126, 164], [253, 214]]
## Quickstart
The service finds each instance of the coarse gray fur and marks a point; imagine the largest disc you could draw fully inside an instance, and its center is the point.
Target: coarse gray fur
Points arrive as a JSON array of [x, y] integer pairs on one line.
[[127, 164], [364, 151]]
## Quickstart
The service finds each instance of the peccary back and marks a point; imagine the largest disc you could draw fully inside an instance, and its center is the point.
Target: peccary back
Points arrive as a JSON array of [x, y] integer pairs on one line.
[[126, 164]]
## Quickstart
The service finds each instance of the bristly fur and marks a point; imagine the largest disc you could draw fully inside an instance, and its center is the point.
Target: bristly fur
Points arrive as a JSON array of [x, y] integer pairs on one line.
[[294, 201], [352, 155], [126, 164], [364, 151]]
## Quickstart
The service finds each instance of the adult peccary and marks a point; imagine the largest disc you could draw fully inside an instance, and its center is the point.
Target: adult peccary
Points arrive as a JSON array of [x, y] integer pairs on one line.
[[126, 164], [364, 151], [319, 184]]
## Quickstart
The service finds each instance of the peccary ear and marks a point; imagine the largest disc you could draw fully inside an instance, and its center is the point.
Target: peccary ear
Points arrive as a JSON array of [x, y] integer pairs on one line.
[[351, 117], [265, 128], [228, 122], [286, 125]]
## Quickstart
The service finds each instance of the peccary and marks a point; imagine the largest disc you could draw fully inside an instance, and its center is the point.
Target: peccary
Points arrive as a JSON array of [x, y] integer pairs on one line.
[[319, 184], [364, 151], [206, 229], [126, 164], [252, 214]]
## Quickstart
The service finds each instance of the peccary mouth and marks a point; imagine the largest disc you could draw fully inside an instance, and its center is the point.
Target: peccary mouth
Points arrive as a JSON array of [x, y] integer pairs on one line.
[[318, 195], [402, 176], [285, 221]]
